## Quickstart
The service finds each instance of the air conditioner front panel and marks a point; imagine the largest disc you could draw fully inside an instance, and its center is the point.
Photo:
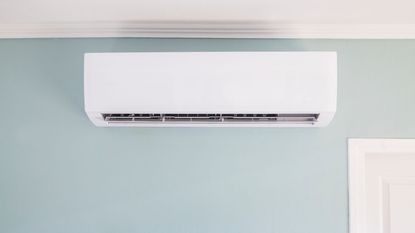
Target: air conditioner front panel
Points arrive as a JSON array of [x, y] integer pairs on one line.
[[211, 82]]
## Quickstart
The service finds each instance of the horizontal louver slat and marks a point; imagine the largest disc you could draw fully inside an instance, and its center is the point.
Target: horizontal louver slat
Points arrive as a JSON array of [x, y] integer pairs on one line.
[[210, 118]]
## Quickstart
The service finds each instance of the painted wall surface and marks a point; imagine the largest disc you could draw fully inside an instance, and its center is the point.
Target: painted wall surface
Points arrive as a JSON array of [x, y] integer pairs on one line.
[[60, 174]]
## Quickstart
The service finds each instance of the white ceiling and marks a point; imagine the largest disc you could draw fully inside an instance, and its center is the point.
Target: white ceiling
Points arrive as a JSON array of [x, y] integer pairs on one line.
[[217, 18]]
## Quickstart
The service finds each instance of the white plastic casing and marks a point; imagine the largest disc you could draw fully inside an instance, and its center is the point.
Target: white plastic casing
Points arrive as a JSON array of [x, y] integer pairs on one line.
[[211, 82]]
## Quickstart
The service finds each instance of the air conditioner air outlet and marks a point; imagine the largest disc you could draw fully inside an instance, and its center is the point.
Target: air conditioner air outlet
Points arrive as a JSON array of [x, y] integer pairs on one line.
[[209, 117]]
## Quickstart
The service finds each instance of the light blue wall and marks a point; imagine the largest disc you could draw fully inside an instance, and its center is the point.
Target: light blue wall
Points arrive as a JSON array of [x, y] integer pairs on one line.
[[59, 173]]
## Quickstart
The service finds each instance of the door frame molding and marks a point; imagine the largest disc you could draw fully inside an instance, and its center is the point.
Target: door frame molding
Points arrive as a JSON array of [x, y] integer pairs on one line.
[[358, 148]]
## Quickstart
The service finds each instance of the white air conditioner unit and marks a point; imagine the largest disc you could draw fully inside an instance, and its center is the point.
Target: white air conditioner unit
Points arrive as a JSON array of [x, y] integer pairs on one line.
[[242, 89]]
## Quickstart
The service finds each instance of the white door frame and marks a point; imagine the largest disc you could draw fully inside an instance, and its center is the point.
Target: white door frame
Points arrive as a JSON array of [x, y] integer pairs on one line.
[[358, 149]]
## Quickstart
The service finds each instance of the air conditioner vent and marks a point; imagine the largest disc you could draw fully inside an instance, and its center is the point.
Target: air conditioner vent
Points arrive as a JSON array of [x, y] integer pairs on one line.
[[211, 118]]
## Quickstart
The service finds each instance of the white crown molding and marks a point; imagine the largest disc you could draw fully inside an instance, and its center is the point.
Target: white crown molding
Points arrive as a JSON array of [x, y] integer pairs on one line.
[[207, 30]]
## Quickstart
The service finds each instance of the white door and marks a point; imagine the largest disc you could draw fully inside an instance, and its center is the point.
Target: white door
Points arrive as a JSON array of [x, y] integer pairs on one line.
[[382, 185]]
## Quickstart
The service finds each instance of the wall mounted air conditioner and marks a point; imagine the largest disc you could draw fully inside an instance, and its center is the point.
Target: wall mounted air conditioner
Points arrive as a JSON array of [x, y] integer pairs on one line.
[[242, 89]]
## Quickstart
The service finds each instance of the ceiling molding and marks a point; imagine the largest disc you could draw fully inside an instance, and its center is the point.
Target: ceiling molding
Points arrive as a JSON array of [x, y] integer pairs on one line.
[[207, 30]]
